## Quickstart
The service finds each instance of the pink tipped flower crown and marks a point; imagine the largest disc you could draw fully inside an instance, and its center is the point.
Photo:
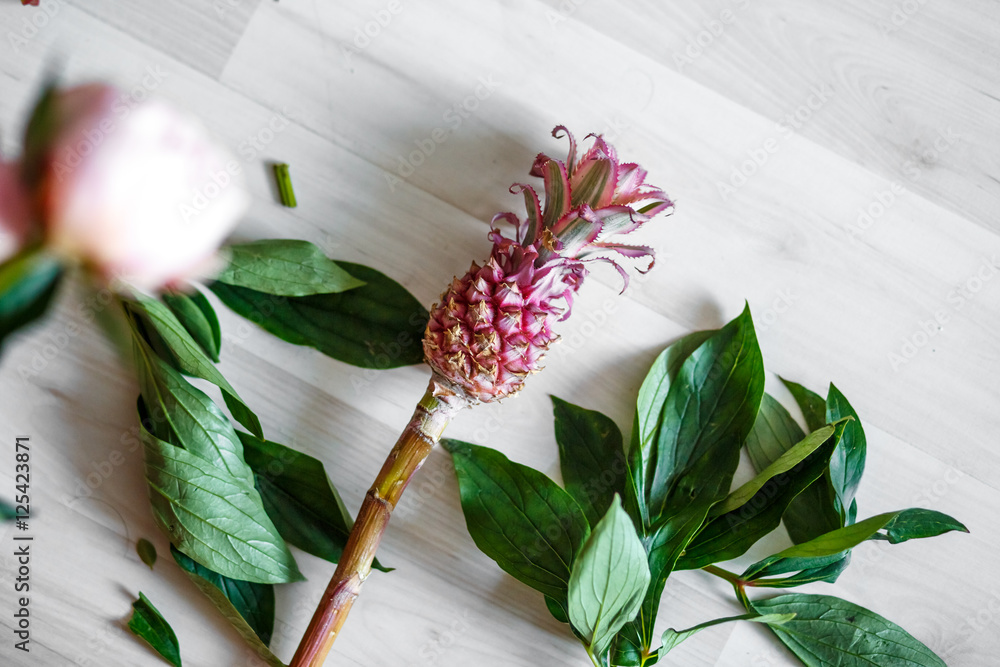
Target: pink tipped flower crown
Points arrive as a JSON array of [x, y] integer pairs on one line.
[[493, 326]]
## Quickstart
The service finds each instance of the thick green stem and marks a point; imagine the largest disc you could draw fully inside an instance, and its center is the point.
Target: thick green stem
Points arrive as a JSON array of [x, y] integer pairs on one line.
[[429, 420]]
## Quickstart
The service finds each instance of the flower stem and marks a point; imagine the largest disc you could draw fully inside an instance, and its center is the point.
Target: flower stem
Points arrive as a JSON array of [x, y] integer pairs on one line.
[[429, 420]]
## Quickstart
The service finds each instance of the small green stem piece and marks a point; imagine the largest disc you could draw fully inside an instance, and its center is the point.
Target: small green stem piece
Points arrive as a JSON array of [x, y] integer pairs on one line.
[[285, 185]]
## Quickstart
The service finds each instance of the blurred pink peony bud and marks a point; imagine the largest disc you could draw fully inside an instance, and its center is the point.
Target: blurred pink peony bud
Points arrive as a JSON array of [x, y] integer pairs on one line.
[[14, 211], [135, 192]]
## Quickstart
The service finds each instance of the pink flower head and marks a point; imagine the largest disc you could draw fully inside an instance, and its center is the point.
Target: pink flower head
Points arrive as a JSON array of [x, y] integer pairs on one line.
[[135, 192], [493, 326], [589, 201]]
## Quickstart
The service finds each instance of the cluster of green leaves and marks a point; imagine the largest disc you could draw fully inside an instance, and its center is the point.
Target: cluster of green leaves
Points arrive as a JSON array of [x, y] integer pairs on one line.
[[229, 500], [602, 548]]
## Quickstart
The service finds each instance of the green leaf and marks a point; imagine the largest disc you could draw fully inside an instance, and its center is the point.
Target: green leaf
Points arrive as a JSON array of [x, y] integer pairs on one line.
[[848, 461], [214, 517], [729, 535], [900, 526], [248, 606], [708, 412], [917, 523], [649, 418], [300, 498], [194, 311], [149, 625], [828, 631], [176, 411], [672, 638], [379, 325], [608, 580], [558, 609], [591, 457], [28, 282], [285, 267], [146, 551], [519, 517], [774, 433], [826, 570], [781, 465], [812, 405], [189, 356], [812, 512], [7, 511]]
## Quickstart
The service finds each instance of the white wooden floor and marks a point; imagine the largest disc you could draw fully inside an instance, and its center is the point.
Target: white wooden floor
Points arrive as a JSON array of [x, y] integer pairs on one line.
[[888, 109]]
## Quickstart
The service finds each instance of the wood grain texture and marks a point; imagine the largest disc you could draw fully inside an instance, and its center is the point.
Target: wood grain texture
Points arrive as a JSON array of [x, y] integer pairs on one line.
[[871, 220]]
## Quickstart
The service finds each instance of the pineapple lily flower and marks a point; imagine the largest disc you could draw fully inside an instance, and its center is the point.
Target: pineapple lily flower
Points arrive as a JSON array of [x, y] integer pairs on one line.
[[492, 328]]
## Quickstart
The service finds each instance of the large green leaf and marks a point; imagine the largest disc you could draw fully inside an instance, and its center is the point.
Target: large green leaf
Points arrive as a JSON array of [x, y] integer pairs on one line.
[[830, 632], [248, 606], [591, 457], [728, 535], [708, 412], [148, 624], [189, 357], [649, 418], [300, 498], [285, 267], [379, 325], [176, 411], [194, 311], [27, 283], [608, 580], [519, 517], [214, 517], [899, 526]]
